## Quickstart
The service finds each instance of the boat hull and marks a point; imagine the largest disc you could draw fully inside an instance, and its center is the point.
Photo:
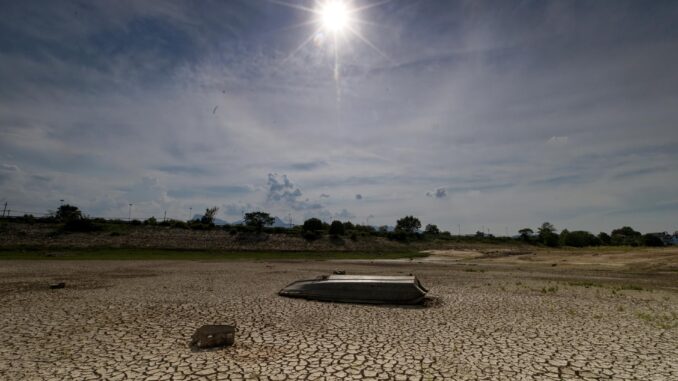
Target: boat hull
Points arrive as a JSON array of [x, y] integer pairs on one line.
[[359, 289]]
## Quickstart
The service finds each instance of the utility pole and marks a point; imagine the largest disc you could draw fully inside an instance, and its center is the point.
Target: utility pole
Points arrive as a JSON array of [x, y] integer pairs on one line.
[[129, 216], [190, 213], [459, 226], [164, 218], [4, 209]]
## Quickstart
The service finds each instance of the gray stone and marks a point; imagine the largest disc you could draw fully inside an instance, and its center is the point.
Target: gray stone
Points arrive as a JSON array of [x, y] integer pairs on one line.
[[212, 336]]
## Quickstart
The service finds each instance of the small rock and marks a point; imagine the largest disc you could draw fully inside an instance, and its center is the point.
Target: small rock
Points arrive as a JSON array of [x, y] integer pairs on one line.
[[57, 285], [211, 336], [339, 272]]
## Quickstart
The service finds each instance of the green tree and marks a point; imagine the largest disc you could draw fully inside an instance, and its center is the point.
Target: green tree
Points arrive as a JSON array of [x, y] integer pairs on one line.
[[626, 231], [604, 238], [526, 234], [67, 213], [258, 220], [208, 217], [408, 225], [336, 228], [312, 225], [432, 229], [580, 238], [547, 234], [563, 236], [626, 236], [312, 229]]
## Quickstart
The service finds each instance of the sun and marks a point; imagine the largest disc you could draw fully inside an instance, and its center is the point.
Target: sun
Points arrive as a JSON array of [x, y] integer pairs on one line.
[[335, 16]]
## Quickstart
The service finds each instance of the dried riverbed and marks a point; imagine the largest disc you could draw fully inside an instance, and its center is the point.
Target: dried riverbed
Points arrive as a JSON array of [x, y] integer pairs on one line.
[[132, 320]]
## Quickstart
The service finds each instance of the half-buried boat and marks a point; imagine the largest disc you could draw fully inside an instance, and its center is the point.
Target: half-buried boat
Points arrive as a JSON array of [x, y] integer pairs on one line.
[[373, 289]]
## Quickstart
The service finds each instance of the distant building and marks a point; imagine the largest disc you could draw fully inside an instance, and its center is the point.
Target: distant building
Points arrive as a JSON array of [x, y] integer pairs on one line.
[[664, 237]]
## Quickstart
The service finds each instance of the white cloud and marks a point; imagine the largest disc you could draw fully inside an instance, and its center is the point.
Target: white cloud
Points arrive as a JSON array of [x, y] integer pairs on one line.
[[9, 168], [557, 140]]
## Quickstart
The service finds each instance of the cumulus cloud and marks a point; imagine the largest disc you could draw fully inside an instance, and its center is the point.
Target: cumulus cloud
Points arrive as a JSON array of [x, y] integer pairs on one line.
[[344, 215], [324, 195], [439, 193], [358, 196], [282, 191]]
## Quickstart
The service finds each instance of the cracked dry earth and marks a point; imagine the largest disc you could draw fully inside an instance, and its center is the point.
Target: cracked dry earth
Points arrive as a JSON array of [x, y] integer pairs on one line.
[[132, 320]]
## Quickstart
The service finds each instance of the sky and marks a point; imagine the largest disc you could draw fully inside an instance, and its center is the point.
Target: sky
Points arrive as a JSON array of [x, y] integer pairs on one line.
[[493, 115]]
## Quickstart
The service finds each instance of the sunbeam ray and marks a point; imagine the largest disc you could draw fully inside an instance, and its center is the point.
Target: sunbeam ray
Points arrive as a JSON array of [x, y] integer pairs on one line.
[[294, 6], [295, 26], [368, 6], [369, 43], [301, 46]]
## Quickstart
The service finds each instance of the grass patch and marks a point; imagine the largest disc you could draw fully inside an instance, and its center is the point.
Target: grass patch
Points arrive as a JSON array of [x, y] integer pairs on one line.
[[631, 287], [614, 288], [166, 254], [664, 320], [585, 284], [549, 290], [474, 270]]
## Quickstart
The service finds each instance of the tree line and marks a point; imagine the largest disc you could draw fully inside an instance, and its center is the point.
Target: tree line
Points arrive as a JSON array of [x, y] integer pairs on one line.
[[407, 228], [547, 235]]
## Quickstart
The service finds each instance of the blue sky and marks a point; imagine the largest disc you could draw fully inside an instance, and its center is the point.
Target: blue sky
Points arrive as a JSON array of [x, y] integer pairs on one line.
[[493, 114]]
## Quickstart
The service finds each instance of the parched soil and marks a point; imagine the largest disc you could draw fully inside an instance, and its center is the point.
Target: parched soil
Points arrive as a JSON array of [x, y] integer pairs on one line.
[[485, 319]]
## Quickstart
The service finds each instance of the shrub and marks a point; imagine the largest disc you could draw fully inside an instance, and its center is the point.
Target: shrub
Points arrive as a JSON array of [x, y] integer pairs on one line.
[[400, 236], [178, 224], [81, 225], [199, 225], [310, 235]]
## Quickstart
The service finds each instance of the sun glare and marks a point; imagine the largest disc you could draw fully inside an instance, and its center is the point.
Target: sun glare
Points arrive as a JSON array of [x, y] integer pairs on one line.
[[334, 15]]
